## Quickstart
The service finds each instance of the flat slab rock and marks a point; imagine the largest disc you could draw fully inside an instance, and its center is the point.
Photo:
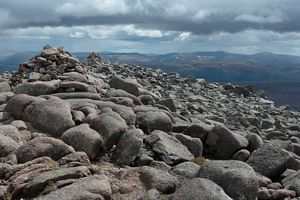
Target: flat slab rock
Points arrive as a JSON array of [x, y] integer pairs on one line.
[[93, 188], [168, 148]]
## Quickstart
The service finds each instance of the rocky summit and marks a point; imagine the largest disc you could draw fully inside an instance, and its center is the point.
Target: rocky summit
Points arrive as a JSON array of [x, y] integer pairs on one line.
[[99, 130]]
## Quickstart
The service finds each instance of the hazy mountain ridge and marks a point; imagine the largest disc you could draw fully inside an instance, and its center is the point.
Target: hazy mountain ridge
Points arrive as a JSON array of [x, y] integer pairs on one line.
[[278, 75]]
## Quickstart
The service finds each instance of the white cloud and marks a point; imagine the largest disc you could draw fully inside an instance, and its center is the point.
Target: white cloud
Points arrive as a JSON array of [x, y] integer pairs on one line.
[[185, 36]]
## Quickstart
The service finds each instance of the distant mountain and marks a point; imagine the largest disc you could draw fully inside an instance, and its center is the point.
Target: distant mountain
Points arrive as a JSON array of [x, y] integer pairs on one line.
[[278, 75]]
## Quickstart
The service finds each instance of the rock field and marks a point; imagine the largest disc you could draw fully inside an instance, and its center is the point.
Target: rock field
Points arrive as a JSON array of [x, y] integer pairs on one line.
[[108, 131]]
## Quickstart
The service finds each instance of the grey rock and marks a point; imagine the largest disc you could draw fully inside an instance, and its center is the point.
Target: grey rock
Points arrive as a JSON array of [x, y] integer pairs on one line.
[[38, 88], [200, 189], [75, 76], [292, 182], [158, 179], [17, 104], [76, 157], [225, 142], [7, 145], [11, 132], [119, 83], [43, 146], [52, 116], [78, 86], [269, 161], [38, 183], [154, 120], [255, 141], [4, 87], [199, 130], [129, 146], [241, 155], [169, 103], [186, 169], [168, 148], [111, 127], [194, 145], [160, 165], [236, 178], [122, 93], [96, 187], [83, 138], [77, 95]]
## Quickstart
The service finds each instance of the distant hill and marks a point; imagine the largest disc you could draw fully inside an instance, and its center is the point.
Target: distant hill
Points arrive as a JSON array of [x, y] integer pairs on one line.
[[278, 75]]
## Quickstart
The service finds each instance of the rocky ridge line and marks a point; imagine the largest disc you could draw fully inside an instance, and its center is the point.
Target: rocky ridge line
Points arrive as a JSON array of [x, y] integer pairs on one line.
[[116, 131]]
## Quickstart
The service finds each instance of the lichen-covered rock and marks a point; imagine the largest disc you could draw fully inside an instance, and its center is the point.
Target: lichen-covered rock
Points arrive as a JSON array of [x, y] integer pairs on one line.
[[38, 88]]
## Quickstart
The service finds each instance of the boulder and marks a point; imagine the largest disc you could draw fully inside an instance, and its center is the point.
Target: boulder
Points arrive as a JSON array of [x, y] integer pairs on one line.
[[4, 87], [186, 169], [236, 178], [77, 95], [225, 142], [292, 182], [194, 145], [17, 104], [83, 138], [255, 141], [129, 146], [37, 88], [11, 132], [168, 148], [158, 179], [154, 120], [43, 146], [119, 83], [111, 127], [7, 145], [52, 116], [200, 189], [269, 161], [199, 130], [78, 157], [169, 103], [96, 187], [241, 155], [5, 96]]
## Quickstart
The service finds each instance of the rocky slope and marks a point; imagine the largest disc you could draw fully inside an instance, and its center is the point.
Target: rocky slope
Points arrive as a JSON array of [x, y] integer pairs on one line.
[[101, 130]]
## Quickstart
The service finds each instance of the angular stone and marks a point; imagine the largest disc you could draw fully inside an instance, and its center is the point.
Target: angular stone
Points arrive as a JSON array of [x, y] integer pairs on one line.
[[96, 187], [119, 83], [292, 182], [129, 146], [168, 148]]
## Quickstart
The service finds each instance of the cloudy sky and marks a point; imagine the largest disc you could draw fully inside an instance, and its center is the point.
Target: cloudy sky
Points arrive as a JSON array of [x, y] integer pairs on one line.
[[152, 26]]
